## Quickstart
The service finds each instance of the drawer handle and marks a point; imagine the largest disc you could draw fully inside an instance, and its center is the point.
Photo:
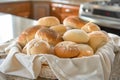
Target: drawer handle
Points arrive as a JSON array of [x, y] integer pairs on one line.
[[67, 10], [53, 9]]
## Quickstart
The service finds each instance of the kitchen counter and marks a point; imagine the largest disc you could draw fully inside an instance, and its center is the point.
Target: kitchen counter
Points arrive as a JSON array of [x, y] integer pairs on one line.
[[12, 26], [73, 2], [77, 2]]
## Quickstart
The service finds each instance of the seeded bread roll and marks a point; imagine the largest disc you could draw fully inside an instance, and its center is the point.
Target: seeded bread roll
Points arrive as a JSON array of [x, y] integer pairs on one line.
[[76, 35], [66, 49], [74, 22], [97, 39], [36, 46], [28, 34], [48, 21], [90, 27], [48, 35], [69, 49]]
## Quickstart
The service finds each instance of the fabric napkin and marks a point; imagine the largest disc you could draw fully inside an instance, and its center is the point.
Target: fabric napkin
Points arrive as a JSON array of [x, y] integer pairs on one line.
[[96, 67]]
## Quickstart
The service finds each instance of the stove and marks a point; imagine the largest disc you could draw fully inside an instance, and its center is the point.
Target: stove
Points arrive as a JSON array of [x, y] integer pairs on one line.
[[104, 13]]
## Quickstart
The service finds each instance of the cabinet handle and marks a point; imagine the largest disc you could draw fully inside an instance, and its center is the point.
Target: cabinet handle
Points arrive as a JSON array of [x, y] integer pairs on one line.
[[53, 8], [67, 10]]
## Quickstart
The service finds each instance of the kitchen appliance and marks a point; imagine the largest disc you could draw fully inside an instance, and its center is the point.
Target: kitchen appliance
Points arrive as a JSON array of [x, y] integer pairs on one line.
[[104, 13]]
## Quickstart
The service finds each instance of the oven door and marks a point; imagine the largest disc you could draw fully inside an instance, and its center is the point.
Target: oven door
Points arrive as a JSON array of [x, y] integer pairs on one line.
[[107, 20]]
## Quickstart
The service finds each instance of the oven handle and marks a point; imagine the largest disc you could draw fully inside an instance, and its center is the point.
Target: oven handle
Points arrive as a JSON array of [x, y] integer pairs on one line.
[[100, 20]]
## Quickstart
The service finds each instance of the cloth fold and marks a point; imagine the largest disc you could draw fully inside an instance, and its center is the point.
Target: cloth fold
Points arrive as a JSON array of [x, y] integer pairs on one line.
[[19, 64], [76, 69], [96, 67]]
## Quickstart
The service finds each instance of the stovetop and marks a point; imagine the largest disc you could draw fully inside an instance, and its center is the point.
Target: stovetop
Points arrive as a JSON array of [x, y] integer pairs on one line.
[[107, 3]]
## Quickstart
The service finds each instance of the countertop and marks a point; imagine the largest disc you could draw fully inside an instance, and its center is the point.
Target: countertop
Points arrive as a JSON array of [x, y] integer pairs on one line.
[[12, 26], [73, 2]]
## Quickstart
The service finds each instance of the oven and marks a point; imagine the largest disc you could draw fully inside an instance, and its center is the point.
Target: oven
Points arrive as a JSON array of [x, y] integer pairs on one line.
[[104, 13]]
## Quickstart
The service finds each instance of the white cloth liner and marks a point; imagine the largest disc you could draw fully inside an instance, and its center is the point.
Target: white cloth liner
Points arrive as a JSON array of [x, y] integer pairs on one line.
[[96, 67]]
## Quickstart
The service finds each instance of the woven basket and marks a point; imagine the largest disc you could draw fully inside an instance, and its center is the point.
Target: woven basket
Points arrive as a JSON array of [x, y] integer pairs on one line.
[[46, 72]]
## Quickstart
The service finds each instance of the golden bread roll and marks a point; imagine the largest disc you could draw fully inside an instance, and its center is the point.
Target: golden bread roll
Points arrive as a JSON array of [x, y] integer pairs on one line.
[[85, 50], [61, 29], [27, 35], [97, 39], [76, 35], [89, 27], [37, 46], [74, 22], [48, 35], [48, 21], [66, 49]]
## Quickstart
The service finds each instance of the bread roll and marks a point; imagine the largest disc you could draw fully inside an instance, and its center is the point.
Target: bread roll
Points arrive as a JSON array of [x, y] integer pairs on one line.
[[69, 49], [66, 49], [76, 35], [90, 27], [48, 21], [74, 22], [97, 39], [61, 29], [48, 35], [37, 46], [27, 35], [85, 50]]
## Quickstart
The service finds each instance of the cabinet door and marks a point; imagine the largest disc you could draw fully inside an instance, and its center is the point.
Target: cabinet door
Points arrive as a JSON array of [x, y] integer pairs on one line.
[[16, 8], [69, 10], [40, 9], [24, 14], [62, 11], [56, 10]]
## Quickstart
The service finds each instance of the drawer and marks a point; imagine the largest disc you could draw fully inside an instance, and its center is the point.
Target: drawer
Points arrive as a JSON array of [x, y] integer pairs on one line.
[[62, 11], [56, 8], [70, 9], [14, 7]]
